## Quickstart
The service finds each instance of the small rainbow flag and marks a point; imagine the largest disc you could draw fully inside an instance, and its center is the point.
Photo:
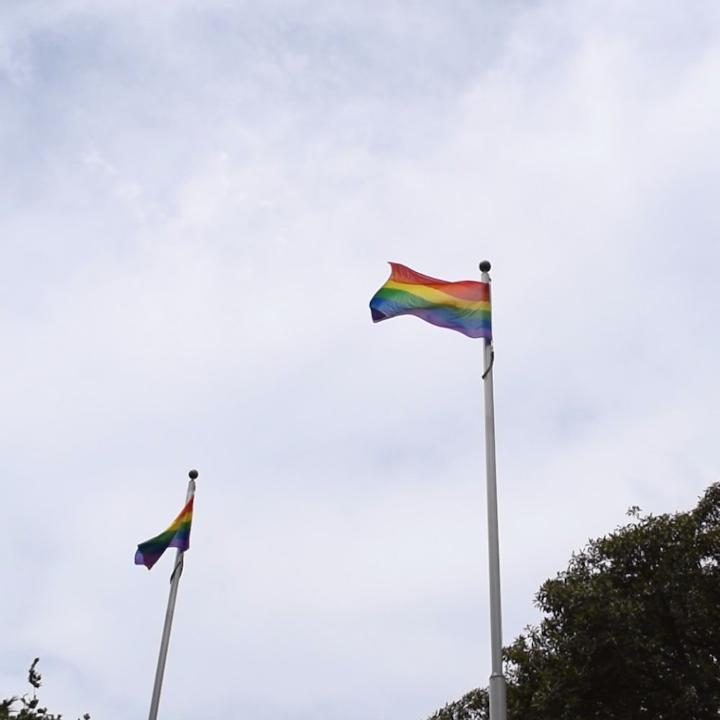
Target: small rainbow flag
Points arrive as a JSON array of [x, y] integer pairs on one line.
[[463, 306], [177, 536]]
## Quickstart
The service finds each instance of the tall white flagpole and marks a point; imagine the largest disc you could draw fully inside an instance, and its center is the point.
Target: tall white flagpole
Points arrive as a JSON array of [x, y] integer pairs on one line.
[[498, 710], [174, 582]]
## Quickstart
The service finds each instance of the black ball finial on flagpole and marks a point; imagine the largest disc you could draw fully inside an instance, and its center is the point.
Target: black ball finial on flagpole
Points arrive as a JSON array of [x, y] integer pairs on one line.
[[193, 474], [485, 266]]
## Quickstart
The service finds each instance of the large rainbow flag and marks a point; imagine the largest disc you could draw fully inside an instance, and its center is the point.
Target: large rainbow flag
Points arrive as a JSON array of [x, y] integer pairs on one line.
[[463, 306], [177, 536]]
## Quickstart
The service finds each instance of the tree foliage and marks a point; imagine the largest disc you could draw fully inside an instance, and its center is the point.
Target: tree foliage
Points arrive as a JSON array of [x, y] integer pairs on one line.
[[631, 630], [27, 707], [473, 706]]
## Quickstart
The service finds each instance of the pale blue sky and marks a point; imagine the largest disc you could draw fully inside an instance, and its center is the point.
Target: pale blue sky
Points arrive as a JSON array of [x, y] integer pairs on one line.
[[199, 201]]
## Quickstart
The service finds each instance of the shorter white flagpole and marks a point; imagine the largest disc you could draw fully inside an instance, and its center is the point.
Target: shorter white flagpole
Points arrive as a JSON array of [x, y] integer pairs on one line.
[[174, 582], [498, 710]]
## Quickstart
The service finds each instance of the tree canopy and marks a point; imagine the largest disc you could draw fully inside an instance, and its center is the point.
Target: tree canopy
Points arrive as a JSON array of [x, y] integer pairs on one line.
[[631, 629], [27, 707]]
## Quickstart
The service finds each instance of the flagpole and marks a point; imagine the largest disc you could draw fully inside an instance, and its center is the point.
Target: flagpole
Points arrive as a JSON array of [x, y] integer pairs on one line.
[[165, 641], [498, 709]]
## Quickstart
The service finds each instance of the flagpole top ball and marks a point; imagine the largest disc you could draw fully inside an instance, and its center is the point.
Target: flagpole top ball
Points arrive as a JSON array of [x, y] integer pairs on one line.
[[485, 266], [193, 474]]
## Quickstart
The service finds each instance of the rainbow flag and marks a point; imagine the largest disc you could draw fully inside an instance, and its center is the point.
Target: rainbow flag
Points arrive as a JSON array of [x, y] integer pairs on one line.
[[463, 306], [177, 536]]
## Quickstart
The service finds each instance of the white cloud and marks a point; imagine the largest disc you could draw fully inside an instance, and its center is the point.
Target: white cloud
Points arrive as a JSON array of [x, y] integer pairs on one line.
[[202, 202]]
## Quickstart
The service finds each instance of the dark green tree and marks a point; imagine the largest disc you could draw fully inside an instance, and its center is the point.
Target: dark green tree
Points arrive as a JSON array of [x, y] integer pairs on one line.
[[473, 706], [27, 707], [631, 630]]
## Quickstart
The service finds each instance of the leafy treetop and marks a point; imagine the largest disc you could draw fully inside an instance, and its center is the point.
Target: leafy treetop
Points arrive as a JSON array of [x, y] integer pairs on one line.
[[631, 630]]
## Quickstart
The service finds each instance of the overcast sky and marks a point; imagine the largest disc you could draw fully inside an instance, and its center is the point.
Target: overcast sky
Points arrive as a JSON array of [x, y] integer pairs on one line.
[[198, 201]]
